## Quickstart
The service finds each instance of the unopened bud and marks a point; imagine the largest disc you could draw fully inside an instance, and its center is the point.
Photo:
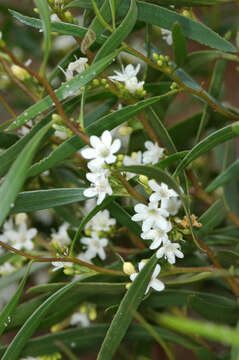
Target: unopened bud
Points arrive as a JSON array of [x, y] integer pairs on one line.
[[20, 218], [128, 268], [125, 130], [155, 56], [96, 82], [160, 63], [92, 314], [128, 285], [20, 73], [68, 16], [120, 157], [56, 118], [186, 13], [144, 179], [68, 271]]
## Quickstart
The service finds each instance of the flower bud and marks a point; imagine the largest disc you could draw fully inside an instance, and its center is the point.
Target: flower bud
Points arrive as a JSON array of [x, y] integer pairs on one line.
[[68, 16], [20, 218], [20, 73], [128, 268], [56, 118], [144, 179], [92, 314], [96, 82], [68, 271], [125, 130], [127, 286], [160, 63]]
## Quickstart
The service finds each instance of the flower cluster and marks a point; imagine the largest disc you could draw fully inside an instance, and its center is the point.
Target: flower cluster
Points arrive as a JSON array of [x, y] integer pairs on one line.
[[129, 78], [156, 226], [101, 154], [17, 234]]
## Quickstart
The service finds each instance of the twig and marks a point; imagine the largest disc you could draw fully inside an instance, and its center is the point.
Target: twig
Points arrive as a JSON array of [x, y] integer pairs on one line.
[[137, 196], [8, 107], [63, 259]]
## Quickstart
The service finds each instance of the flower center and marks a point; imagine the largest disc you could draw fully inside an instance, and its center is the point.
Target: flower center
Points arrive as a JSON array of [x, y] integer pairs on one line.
[[104, 151]]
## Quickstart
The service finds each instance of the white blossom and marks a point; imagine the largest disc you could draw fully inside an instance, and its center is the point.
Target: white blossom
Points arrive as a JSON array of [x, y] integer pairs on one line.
[[128, 76], [167, 36], [7, 294], [77, 66], [103, 149], [134, 159], [158, 236], [173, 205], [101, 221], [153, 153], [154, 283], [63, 42], [95, 246], [151, 215], [60, 264], [6, 269], [162, 193], [61, 237], [80, 318], [100, 187], [169, 251], [19, 236]]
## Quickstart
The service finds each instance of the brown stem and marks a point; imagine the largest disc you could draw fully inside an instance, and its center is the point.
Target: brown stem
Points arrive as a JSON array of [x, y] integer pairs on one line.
[[152, 134], [137, 196], [8, 107], [42, 80], [64, 259], [18, 82]]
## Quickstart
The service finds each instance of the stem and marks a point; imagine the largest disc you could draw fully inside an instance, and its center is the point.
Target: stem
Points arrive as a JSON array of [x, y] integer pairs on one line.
[[100, 17], [18, 82], [53, 96], [8, 107], [137, 196], [65, 259]]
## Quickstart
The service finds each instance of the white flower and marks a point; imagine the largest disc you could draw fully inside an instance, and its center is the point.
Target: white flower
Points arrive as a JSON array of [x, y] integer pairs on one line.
[[103, 149], [88, 206], [60, 264], [173, 205], [31, 358], [128, 76], [6, 269], [63, 42], [7, 294], [61, 237], [127, 73], [153, 153], [101, 221], [44, 216], [154, 283], [134, 159], [170, 250], [151, 215], [80, 319], [158, 236], [162, 193], [61, 134], [54, 17], [75, 66], [95, 246], [19, 236], [132, 85], [167, 36], [100, 187], [24, 130]]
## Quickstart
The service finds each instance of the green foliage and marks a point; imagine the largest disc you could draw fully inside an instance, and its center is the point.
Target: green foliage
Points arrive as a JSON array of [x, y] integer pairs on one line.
[[157, 75]]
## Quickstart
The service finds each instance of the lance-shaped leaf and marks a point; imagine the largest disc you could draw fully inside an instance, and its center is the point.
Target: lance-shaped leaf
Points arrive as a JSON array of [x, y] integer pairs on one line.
[[123, 317], [179, 44], [5, 315], [216, 138], [12, 183], [226, 176]]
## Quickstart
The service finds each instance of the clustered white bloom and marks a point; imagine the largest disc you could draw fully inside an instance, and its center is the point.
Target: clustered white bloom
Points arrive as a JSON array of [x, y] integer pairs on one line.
[[7, 269], [101, 222], [129, 78], [61, 237], [95, 246], [156, 226], [17, 234], [101, 153]]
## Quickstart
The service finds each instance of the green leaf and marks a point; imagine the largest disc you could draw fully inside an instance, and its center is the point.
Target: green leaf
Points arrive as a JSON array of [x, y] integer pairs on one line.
[[44, 12], [214, 311], [211, 218], [123, 30], [197, 59], [216, 138], [45, 199], [6, 140], [60, 27], [6, 313], [14, 349], [220, 333], [123, 317], [179, 44], [160, 130], [83, 338], [67, 89], [231, 173], [107, 122], [12, 183]]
